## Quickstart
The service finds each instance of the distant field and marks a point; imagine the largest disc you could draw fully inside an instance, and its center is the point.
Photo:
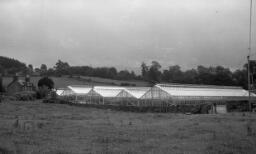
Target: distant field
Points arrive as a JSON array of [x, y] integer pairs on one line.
[[33, 127], [61, 82]]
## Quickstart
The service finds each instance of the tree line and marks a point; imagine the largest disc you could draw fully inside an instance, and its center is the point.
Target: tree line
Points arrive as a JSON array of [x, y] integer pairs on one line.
[[217, 75], [152, 73], [63, 68]]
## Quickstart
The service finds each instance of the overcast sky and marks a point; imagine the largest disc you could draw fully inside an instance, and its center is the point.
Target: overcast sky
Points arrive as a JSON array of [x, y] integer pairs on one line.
[[123, 33]]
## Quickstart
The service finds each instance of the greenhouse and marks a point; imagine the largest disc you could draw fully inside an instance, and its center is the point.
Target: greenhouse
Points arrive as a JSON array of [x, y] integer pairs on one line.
[[64, 92], [77, 93], [132, 95], [59, 92], [133, 92], [178, 93], [105, 94], [162, 95], [80, 90]]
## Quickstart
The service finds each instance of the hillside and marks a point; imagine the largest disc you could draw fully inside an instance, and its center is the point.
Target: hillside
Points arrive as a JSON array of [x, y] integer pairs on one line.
[[34, 127], [11, 66], [62, 82]]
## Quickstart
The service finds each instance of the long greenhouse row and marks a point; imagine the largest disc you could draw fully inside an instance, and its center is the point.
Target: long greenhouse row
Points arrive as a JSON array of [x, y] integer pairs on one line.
[[150, 96]]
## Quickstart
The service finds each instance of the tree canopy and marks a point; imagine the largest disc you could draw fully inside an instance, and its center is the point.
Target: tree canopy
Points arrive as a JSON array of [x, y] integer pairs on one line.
[[11, 66], [152, 73], [45, 81]]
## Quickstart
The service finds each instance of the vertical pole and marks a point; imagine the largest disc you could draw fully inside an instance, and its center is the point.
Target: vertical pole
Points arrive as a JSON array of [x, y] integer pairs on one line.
[[90, 98], [249, 82], [248, 57]]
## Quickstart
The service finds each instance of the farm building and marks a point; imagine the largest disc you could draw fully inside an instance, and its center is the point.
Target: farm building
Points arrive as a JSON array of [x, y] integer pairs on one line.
[[20, 85]]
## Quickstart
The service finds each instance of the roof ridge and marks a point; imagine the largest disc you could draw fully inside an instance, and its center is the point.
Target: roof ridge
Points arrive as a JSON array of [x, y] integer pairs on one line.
[[199, 86]]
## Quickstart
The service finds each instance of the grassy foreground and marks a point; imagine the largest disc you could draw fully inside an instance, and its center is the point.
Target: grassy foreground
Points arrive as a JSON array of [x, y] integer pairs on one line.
[[34, 127]]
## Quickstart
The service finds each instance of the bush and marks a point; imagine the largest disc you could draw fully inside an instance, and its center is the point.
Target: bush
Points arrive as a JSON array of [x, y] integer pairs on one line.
[[237, 106], [45, 85], [25, 96]]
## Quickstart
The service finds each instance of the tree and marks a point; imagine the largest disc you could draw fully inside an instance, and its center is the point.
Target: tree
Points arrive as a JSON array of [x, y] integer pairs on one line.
[[45, 85], [45, 81], [154, 73], [12, 66], [112, 72], [62, 67], [223, 76], [1, 84], [144, 71], [240, 78], [30, 66], [124, 75], [205, 75], [2, 70], [30, 69], [190, 76], [174, 74], [43, 68]]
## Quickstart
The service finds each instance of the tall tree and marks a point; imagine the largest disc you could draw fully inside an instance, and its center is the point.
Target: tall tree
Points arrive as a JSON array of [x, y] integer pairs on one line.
[[174, 74], [30, 67], [154, 73], [240, 78], [43, 67], [62, 67], [144, 71]]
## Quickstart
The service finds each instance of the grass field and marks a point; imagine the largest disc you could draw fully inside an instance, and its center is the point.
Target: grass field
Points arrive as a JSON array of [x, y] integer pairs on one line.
[[34, 127], [62, 82]]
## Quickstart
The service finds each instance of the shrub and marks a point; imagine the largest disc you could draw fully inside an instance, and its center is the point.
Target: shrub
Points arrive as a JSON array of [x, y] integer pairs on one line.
[[25, 96], [45, 85]]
